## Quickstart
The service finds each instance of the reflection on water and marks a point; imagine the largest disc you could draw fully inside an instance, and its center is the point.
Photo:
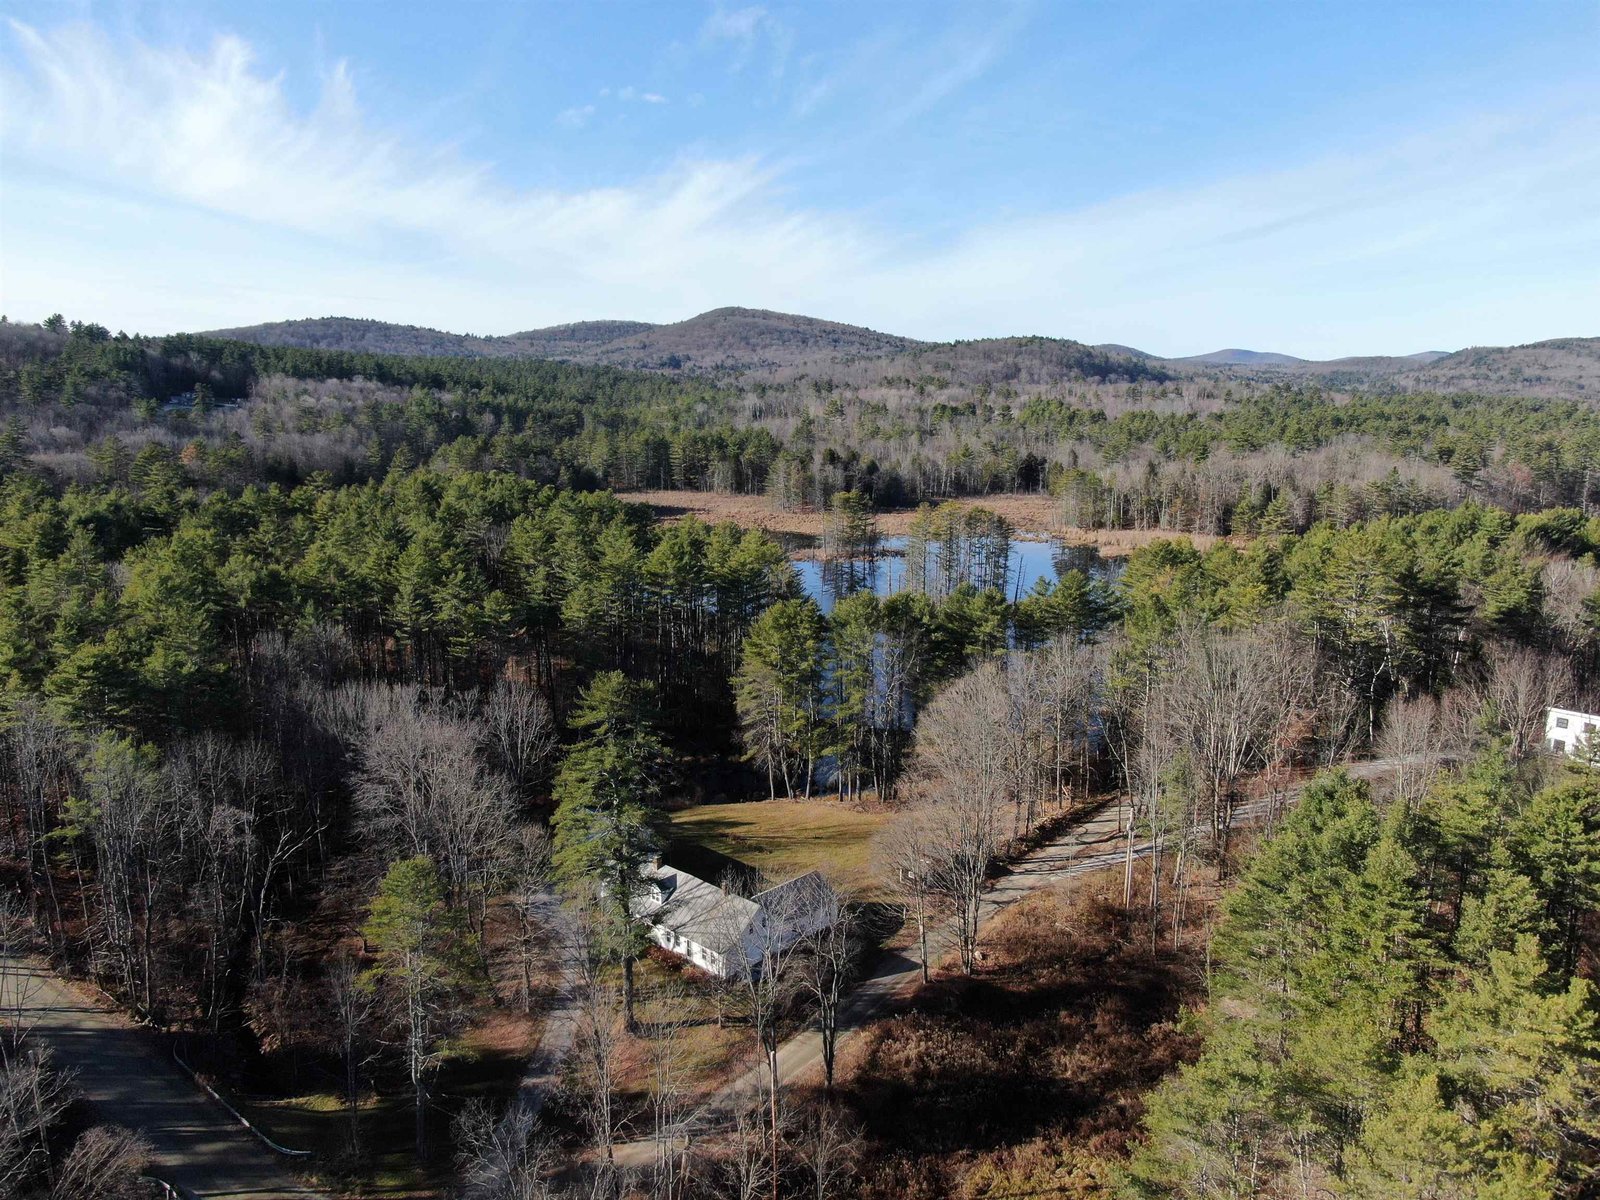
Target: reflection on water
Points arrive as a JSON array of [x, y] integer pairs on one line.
[[826, 582]]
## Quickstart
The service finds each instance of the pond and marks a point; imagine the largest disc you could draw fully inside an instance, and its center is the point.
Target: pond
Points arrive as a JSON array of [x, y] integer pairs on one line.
[[1031, 561]]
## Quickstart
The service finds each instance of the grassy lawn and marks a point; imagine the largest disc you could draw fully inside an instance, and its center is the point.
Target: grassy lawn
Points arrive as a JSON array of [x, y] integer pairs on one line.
[[784, 838]]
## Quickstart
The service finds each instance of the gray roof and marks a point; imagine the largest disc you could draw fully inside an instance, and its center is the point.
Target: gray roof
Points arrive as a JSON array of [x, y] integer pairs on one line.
[[802, 894], [699, 911]]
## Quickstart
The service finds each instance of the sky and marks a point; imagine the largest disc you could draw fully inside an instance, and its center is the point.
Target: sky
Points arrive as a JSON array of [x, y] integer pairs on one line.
[[1318, 179]]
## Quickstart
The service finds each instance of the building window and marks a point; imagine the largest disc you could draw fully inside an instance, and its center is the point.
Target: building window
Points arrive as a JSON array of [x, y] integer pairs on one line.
[[1561, 722], [1558, 745]]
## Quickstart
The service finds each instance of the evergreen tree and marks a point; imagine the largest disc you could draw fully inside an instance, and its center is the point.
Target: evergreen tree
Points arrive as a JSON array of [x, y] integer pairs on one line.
[[424, 961], [608, 825], [779, 693], [1523, 1052], [1557, 846]]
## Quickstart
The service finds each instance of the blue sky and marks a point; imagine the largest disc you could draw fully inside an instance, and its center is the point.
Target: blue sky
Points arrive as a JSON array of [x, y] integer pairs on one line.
[[1318, 179]]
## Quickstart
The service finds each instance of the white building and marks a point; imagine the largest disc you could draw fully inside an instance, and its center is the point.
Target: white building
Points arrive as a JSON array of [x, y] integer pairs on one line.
[[1572, 733], [711, 926]]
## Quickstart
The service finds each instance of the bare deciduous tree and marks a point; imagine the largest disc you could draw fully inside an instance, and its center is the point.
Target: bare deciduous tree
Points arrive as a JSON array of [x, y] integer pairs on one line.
[[34, 1097], [351, 1007], [1236, 700], [522, 732], [502, 1156], [597, 1035], [104, 1164], [764, 982], [830, 1148], [40, 750], [424, 788], [1516, 685], [902, 857], [669, 1097], [531, 902], [825, 971], [973, 737], [748, 1167], [132, 825], [964, 836], [1411, 736]]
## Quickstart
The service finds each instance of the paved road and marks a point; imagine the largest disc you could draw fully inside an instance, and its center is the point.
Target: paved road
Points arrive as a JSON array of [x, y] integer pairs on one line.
[[1094, 843], [131, 1082]]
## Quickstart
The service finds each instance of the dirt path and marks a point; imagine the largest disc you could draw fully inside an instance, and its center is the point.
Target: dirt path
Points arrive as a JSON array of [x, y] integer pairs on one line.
[[129, 1080], [544, 1068]]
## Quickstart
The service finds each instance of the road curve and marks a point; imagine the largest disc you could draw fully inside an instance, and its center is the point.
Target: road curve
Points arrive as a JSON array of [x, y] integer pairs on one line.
[[130, 1081]]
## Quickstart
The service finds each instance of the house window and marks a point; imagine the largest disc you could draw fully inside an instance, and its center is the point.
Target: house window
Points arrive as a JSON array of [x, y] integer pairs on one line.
[[1561, 722], [1588, 728], [1558, 744]]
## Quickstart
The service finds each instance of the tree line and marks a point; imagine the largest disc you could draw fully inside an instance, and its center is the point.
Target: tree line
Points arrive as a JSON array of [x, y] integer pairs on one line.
[[1190, 455], [1396, 1008]]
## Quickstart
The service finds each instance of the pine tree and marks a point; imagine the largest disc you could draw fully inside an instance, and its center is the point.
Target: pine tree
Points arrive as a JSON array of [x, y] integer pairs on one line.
[[778, 690], [425, 956], [852, 678], [1415, 1147], [1507, 907], [1365, 989], [608, 825], [1217, 1128], [1557, 846], [1524, 1053]]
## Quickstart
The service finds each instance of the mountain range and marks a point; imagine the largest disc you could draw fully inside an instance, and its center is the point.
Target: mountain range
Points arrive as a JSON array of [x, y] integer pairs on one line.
[[743, 340]]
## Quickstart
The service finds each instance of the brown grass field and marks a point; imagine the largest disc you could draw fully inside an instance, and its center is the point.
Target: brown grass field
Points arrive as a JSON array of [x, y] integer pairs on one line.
[[784, 838], [1030, 514]]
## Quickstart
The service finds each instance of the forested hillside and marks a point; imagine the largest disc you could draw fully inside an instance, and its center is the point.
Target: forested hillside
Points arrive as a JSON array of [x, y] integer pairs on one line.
[[754, 344], [381, 337], [325, 670], [1123, 447]]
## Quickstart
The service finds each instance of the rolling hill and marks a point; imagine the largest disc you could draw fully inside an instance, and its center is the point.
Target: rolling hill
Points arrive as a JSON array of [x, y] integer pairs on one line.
[[724, 338], [747, 340]]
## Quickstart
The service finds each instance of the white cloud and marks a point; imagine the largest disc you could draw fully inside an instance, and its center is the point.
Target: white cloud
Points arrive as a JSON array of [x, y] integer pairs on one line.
[[213, 132], [154, 189], [631, 93], [733, 24], [747, 30], [576, 117]]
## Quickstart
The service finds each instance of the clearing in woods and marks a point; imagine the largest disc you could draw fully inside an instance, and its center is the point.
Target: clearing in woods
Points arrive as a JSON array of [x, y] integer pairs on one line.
[[1029, 514], [784, 838]]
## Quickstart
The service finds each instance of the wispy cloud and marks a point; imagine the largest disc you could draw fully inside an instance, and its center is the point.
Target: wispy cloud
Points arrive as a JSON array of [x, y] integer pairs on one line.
[[892, 76], [739, 25], [629, 94], [214, 131], [749, 29], [154, 188], [575, 117]]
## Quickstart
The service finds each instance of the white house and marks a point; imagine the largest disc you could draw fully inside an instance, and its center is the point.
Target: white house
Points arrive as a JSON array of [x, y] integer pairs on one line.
[[711, 926], [1572, 733]]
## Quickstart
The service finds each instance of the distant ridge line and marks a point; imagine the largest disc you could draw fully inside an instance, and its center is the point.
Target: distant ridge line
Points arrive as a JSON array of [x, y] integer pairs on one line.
[[739, 340]]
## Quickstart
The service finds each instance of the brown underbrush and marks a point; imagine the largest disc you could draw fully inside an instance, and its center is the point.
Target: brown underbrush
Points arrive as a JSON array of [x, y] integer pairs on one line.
[[1029, 1078]]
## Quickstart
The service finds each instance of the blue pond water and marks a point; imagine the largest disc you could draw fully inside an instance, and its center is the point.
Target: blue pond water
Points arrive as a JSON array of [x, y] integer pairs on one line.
[[1030, 562]]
